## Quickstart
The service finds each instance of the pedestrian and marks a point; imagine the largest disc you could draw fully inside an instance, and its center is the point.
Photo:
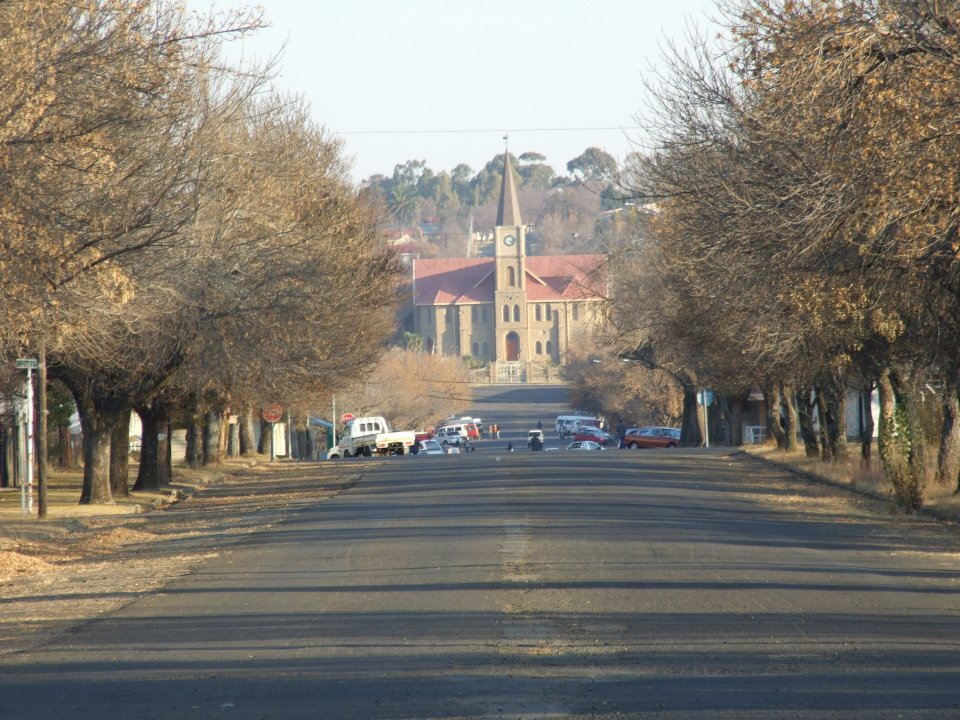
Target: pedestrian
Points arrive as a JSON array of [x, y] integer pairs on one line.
[[509, 447], [621, 433], [539, 424]]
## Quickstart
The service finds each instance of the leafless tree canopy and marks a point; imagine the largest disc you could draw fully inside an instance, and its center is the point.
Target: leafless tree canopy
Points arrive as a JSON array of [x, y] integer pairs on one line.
[[804, 182]]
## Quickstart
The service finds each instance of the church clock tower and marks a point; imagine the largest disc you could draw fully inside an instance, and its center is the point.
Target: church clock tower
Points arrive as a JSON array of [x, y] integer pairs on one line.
[[510, 298]]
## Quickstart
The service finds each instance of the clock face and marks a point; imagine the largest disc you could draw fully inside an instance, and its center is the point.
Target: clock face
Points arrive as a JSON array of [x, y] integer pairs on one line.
[[509, 240]]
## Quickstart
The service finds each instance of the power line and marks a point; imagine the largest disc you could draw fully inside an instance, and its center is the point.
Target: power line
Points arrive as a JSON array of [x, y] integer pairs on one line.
[[439, 131]]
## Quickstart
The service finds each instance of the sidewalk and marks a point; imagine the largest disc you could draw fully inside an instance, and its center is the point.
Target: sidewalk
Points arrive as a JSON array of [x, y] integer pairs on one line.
[[941, 502], [65, 513]]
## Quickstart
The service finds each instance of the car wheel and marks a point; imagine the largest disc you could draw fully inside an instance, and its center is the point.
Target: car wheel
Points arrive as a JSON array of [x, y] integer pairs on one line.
[[670, 445], [633, 446]]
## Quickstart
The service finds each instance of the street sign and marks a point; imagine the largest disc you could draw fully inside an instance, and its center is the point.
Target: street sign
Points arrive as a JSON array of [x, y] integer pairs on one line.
[[27, 363], [272, 413], [705, 397], [346, 417]]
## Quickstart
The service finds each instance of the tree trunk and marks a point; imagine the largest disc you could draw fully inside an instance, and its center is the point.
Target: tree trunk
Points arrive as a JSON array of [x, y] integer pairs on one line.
[[66, 447], [96, 458], [120, 455], [948, 456], [837, 422], [148, 477], [865, 411], [212, 426], [165, 454], [736, 422], [233, 439], [247, 445], [774, 428], [901, 441], [811, 443], [266, 434], [792, 419], [194, 451]]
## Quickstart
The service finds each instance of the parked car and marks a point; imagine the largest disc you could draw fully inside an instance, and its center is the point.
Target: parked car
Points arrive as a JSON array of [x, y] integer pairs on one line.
[[652, 437], [584, 445], [535, 439], [450, 435], [430, 447], [587, 432]]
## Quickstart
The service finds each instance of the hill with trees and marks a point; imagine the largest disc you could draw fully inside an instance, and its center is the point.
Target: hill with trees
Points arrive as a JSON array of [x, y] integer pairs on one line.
[[436, 213]]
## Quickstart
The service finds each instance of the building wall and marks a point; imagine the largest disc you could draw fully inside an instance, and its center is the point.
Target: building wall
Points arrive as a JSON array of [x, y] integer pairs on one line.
[[457, 330]]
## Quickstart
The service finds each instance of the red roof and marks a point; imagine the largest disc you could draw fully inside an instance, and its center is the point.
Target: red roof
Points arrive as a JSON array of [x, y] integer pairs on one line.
[[459, 281]]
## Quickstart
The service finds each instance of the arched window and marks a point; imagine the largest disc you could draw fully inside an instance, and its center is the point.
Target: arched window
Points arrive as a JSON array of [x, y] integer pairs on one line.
[[476, 349], [516, 313], [539, 348], [512, 277], [486, 351], [549, 348], [539, 314], [506, 313]]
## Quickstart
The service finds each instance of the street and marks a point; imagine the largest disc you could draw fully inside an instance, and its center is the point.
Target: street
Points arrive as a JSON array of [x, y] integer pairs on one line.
[[673, 584]]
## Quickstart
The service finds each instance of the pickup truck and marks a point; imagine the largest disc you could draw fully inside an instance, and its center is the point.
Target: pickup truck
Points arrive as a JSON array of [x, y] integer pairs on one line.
[[366, 436]]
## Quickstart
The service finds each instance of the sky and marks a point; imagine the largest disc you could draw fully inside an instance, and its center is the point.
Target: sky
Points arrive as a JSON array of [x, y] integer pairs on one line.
[[443, 81]]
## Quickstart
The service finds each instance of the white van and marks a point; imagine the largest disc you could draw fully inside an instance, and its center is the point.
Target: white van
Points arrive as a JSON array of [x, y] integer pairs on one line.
[[568, 425], [450, 435]]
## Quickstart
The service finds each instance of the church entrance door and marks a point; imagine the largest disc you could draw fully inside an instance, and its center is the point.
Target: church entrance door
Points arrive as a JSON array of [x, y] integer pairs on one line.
[[513, 347]]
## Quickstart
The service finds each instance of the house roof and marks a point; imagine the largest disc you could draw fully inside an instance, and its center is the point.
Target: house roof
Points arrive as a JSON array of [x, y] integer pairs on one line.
[[461, 281]]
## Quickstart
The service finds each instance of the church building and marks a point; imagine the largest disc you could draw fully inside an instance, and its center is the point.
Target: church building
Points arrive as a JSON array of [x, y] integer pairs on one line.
[[518, 313]]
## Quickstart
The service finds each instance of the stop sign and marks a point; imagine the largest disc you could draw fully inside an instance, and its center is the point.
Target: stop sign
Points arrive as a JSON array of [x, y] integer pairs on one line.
[[272, 413], [346, 417]]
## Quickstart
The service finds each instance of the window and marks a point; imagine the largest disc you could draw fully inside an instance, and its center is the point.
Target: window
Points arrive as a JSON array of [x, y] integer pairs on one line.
[[483, 313], [476, 350], [486, 351], [512, 277], [576, 311], [450, 315], [473, 313], [549, 316], [549, 348], [506, 313], [539, 344], [539, 314], [516, 313]]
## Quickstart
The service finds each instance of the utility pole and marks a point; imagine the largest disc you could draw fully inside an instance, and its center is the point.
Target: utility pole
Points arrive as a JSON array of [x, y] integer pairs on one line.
[[42, 431]]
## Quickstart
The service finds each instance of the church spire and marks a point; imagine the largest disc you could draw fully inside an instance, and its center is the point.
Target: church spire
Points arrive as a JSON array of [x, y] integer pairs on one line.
[[508, 211]]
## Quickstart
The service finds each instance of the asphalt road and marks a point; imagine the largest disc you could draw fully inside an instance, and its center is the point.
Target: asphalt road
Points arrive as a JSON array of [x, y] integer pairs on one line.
[[616, 584]]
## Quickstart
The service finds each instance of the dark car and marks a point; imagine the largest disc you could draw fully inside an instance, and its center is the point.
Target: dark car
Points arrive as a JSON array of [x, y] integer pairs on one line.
[[588, 432], [652, 437]]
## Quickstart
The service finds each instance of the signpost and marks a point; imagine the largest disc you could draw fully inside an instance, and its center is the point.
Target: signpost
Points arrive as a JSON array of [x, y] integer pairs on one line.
[[272, 414]]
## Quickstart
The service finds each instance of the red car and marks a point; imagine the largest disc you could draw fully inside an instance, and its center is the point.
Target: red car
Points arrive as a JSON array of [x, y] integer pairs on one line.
[[652, 437], [588, 432]]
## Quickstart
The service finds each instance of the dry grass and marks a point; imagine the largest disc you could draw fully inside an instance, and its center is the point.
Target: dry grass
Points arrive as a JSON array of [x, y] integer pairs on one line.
[[869, 479]]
